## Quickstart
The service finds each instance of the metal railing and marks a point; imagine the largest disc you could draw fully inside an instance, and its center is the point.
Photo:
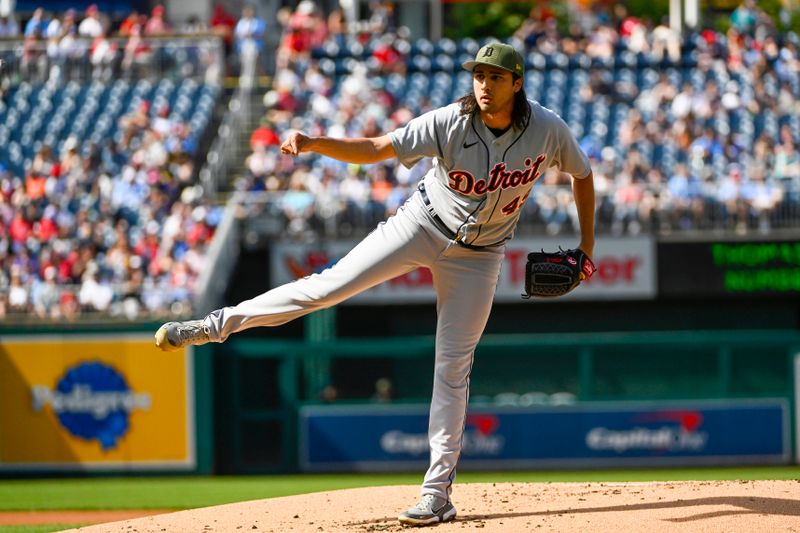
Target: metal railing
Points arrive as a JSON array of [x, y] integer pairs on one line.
[[43, 302], [221, 259], [549, 211], [200, 57], [226, 151]]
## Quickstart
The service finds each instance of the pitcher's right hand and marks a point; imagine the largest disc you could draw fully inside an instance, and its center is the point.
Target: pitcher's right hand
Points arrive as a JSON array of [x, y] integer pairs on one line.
[[294, 144]]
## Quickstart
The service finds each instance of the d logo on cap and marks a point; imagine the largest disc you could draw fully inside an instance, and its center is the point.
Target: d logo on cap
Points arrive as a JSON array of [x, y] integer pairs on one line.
[[499, 55]]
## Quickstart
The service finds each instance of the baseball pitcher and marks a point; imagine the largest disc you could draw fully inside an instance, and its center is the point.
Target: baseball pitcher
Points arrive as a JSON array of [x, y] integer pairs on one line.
[[488, 150]]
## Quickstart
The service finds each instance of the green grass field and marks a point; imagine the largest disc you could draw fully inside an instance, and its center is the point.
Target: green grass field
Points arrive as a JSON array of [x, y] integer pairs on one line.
[[191, 492]]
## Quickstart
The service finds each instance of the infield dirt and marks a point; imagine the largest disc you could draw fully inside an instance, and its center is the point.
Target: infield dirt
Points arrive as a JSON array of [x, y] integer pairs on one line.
[[684, 506]]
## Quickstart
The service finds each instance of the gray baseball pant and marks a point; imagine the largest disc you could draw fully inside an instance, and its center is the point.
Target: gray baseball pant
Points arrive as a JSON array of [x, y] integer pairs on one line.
[[465, 281]]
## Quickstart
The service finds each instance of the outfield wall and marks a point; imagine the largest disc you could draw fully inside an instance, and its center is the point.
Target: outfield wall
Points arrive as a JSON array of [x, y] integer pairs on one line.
[[590, 435], [99, 402], [91, 402], [543, 401]]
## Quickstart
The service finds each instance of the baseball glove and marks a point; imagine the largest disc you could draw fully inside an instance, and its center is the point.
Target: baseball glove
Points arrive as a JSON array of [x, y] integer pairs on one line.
[[552, 274]]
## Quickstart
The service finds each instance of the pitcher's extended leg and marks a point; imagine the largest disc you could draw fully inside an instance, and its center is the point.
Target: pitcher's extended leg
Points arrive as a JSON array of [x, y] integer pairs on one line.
[[395, 247]]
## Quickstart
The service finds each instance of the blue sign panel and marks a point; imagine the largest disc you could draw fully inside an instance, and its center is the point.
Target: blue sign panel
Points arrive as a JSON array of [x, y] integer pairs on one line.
[[366, 438]]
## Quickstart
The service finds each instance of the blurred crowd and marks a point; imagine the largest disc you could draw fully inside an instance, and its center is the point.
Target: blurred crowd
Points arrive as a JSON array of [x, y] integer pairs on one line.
[[719, 152], [91, 43], [118, 228], [121, 228]]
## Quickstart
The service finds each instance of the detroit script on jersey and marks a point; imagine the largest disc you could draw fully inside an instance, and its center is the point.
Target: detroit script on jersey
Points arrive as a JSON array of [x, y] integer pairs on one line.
[[499, 177], [478, 182]]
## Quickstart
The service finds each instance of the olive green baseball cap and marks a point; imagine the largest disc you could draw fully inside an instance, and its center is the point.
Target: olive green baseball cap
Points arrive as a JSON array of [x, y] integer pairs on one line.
[[498, 55]]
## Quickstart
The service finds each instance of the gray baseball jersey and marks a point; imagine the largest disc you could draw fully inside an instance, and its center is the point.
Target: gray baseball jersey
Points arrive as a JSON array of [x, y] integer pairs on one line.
[[477, 186], [479, 182]]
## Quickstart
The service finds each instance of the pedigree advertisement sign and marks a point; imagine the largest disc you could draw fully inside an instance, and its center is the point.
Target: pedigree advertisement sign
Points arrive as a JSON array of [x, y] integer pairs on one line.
[[626, 269], [94, 403]]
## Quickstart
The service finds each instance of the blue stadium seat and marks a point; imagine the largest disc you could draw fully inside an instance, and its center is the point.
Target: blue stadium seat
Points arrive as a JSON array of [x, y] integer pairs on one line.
[[446, 46], [327, 66], [468, 46], [419, 63], [444, 62], [395, 84], [422, 46], [557, 60], [355, 49], [580, 62]]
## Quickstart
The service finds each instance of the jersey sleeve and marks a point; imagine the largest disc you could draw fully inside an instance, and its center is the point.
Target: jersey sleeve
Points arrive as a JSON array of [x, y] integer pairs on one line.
[[421, 137], [569, 156]]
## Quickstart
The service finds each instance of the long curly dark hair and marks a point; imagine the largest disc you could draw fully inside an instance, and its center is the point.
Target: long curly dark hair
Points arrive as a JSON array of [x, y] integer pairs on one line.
[[519, 115]]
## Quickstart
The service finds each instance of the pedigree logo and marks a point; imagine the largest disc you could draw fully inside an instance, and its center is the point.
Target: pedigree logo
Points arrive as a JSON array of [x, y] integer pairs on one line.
[[92, 401]]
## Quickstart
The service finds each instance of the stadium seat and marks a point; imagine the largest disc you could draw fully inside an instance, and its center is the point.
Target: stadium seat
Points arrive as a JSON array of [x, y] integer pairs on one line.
[[446, 46], [468, 46], [422, 46], [419, 63]]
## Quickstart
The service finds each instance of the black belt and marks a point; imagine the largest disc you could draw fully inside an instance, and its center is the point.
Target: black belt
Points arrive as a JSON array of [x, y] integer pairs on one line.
[[439, 223]]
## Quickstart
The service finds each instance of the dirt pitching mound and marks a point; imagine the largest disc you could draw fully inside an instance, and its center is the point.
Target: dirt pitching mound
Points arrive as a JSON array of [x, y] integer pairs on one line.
[[691, 506]]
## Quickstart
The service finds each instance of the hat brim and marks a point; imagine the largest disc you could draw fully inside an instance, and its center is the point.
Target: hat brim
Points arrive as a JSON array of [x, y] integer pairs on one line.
[[469, 65]]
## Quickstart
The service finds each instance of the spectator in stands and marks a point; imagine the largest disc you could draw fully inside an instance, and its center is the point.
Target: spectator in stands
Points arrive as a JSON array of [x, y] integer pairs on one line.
[[56, 29], [264, 134], [17, 292], [381, 186], [20, 228], [34, 61], [633, 32], [45, 294], [534, 25], [156, 24], [684, 193], [601, 42], [337, 26], [297, 204], [37, 24], [9, 27], [383, 391], [260, 165], [102, 56], [682, 104], [127, 24], [94, 295], [382, 17], [744, 17], [249, 43], [388, 58], [787, 159], [92, 25], [666, 39], [137, 54], [729, 200], [303, 30], [762, 198], [627, 200], [222, 23]]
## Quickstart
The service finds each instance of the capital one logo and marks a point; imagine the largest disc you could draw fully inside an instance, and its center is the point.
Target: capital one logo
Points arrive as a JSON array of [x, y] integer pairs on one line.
[[656, 432], [92, 401], [480, 439]]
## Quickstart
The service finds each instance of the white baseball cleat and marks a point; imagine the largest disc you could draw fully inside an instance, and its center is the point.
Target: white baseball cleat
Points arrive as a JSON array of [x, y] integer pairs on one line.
[[429, 510], [175, 335]]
